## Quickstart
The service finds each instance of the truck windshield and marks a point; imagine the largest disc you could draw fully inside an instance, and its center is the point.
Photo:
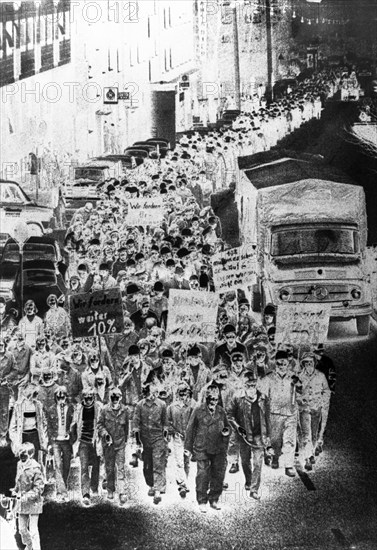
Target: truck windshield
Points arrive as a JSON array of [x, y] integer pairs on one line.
[[314, 240], [94, 174]]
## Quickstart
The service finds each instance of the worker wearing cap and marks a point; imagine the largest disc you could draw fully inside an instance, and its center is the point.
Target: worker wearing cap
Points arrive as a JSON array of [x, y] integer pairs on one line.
[[280, 389], [223, 351], [247, 415], [314, 404]]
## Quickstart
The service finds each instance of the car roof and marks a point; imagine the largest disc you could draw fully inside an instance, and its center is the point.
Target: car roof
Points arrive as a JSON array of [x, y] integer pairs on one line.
[[9, 181], [39, 264], [36, 240]]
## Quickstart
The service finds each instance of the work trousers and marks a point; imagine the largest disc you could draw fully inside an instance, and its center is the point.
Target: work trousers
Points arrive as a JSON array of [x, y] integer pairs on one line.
[[252, 458], [115, 468], [4, 410], [308, 430], [182, 461], [284, 436], [62, 456], [88, 457], [154, 465], [234, 447], [210, 477], [28, 528]]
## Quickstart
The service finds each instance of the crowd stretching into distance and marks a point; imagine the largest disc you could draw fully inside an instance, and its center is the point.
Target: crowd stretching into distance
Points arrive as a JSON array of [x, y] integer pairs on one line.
[[241, 401]]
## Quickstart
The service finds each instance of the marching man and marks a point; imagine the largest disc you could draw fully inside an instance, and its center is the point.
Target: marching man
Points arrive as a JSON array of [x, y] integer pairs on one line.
[[207, 437], [29, 488]]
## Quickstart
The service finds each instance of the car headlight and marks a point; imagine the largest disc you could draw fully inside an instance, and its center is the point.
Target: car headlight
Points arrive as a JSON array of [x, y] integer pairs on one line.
[[7, 294], [356, 294], [285, 294]]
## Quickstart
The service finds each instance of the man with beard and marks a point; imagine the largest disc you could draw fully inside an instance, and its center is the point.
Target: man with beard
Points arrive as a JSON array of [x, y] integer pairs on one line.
[[41, 359], [247, 415], [151, 431], [142, 314], [207, 438]]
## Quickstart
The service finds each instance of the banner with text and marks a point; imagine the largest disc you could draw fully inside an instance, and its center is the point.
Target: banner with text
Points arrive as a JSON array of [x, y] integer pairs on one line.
[[144, 212], [302, 324], [235, 268], [96, 313], [192, 316]]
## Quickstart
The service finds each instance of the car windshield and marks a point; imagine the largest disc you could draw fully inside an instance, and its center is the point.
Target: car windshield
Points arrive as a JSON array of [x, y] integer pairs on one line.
[[39, 277], [314, 240], [95, 174], [32, 251], [11, 193]]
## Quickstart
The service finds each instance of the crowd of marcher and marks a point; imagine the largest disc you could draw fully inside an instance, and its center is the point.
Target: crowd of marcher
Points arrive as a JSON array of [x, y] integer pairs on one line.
[[240, 398]]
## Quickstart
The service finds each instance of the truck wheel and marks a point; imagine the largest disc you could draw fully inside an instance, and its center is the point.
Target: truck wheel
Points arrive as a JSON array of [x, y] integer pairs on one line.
[[363, 324]]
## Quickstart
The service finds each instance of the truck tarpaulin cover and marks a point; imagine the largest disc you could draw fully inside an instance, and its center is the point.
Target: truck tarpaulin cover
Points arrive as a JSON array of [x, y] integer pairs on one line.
[[314, 201]]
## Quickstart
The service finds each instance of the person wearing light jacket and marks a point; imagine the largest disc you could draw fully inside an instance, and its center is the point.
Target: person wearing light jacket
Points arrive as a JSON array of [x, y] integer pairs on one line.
[[28, 422], [314, 404], [280, 389], [28, 489], [179, 413]]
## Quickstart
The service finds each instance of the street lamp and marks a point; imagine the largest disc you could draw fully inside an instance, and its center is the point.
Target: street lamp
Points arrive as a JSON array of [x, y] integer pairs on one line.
[[21, 234]]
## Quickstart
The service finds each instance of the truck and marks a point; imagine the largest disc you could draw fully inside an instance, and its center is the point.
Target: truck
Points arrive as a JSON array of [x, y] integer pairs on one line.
[[310, 234]]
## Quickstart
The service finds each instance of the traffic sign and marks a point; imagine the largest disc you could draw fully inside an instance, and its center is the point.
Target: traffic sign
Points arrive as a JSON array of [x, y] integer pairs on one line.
[[124, 95], [110, 95]]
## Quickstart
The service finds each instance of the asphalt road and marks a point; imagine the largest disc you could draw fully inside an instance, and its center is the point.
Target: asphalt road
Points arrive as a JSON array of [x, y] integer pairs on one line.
[[333, 507]]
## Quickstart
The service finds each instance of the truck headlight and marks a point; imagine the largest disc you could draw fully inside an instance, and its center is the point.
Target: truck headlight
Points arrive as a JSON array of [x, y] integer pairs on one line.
[[284, 294], [356, 294]]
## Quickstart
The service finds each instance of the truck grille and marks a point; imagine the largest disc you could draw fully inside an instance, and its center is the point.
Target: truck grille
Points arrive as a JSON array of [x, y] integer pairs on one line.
[[321, 293]]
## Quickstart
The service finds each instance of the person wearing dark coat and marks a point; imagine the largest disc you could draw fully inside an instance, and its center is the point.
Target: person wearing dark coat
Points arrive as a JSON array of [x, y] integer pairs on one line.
[[207, 438]]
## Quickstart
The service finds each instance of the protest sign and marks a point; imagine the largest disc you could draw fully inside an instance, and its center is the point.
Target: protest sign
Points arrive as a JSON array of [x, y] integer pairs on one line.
[[192, 316], [96, 313], [302, 324], [235, 268], [145, 211]]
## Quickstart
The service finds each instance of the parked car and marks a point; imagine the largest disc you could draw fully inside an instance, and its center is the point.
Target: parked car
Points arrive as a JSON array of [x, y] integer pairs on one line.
[[40, 279], [16, 206], [163, 145], [34, 248]]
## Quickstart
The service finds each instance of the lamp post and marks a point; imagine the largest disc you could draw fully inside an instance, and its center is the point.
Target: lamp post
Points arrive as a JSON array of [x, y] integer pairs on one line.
[[237, 77], [21, 234]]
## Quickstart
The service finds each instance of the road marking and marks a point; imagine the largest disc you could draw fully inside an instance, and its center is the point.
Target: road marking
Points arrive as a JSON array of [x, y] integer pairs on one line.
[[306, 480]]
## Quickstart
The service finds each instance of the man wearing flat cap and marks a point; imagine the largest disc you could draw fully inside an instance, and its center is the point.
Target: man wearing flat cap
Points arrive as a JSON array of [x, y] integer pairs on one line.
[[247, 415], [280, 389]]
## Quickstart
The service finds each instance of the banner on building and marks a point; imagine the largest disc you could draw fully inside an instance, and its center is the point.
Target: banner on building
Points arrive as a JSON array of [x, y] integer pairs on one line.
[[96, 313], [144, 212], [192, 316], [302, 324], [235, 268]]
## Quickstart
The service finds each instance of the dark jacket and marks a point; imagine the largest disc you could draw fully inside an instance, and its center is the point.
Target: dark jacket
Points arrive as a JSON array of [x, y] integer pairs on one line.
[[53, 423], [114, 423], [150, 421], [203, 434], [239, 415]]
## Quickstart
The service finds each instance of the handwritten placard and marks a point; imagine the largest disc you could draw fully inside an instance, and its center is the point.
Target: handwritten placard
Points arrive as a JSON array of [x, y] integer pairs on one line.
[[192, 316], [300, 324], [235, 268], [145, 211]]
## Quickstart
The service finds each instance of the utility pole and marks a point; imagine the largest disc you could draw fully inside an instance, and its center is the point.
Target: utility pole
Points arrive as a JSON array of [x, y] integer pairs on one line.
[[237, 78], [269, 87]]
